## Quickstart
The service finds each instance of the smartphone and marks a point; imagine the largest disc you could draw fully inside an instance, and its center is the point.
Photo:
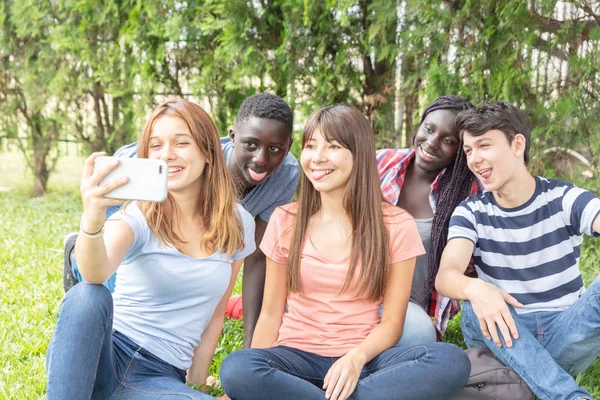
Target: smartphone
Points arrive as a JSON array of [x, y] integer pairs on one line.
[[147, 178]]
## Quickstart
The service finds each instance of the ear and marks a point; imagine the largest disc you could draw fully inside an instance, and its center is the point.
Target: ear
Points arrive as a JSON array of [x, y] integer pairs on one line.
[[518, 145], [231, 135], [290, 145]]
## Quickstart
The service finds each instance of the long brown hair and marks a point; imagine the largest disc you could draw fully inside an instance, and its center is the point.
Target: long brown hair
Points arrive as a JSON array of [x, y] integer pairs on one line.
[[223, 229], [362, 202]]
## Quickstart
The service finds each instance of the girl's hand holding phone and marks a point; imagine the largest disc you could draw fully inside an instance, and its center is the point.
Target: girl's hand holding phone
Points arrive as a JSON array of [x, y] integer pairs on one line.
[[94, 204]]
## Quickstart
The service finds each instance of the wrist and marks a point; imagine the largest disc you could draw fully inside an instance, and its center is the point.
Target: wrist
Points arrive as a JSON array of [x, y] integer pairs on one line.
[[91, 229], [472, 288], [358, 355]]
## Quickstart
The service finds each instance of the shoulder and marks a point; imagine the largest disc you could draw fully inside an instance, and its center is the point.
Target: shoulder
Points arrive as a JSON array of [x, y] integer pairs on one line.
[[245, 216], [128, 151], [286, 176], [225, 143], [286, 211], [290, 165], [387, 156], [546, 185], [393, 215]]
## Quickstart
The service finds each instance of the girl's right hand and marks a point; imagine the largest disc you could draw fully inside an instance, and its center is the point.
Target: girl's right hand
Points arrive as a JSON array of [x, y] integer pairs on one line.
[[94, 205]]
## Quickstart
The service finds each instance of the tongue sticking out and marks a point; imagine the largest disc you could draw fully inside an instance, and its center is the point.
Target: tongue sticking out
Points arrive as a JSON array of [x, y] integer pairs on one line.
[[317, 175], [256, 176]]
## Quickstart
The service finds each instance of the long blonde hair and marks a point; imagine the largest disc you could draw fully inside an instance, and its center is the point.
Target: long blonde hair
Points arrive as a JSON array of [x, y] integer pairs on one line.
[[223, 228], [362, 202]]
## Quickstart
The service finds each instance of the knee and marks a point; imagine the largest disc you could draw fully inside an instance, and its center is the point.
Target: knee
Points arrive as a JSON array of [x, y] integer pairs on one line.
[[418, 327], [236, 369], [88, 301], [447, 354]]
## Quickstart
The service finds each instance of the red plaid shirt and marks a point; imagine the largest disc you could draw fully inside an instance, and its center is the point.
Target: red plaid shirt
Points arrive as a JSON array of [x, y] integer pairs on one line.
[[392, 165]]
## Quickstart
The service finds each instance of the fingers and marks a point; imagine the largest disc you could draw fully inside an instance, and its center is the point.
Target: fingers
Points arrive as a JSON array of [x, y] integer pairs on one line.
[[483, 325], [505, 323], [511, 300], [334, 391], [512, 326], [504, 331], [491, 325], [101, 173], [348, 389], [88, 164]]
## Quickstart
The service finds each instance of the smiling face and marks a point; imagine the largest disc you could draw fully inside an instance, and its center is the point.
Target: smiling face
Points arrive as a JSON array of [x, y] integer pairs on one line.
[[436, 141], [259, 148], [326, 164], [172, 141], [493, 159]]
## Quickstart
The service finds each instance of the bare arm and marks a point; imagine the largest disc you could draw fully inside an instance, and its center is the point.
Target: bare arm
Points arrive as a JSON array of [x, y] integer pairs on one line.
[[204, 352], [267, 327], [253, 283], [596, 225], [489, 302], [342, 377], [99, 257], [451, 280]]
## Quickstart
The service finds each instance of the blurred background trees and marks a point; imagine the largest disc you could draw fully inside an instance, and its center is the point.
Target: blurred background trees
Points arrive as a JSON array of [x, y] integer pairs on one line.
[[90, 71]]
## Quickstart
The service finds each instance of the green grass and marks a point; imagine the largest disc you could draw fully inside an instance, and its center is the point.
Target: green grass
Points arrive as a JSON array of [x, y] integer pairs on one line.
[[31, 271]]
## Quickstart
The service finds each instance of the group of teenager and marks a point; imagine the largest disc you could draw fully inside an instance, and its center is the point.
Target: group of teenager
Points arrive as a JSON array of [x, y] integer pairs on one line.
[[347, 291]]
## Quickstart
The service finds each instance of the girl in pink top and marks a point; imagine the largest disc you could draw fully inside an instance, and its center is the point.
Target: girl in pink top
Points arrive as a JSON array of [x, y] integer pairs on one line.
[[332, 258]]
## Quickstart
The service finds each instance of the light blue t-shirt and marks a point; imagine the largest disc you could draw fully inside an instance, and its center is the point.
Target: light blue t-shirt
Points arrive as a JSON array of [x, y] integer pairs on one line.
[[163, 299], [263, 199]]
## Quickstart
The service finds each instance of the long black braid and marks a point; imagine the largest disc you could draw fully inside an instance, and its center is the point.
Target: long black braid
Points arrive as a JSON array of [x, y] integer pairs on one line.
[[454, 186]]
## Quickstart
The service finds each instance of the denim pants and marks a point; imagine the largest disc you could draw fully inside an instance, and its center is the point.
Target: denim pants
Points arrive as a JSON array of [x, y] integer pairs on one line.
[[418, 327], [87, 359], [428, 372], [551, 346]]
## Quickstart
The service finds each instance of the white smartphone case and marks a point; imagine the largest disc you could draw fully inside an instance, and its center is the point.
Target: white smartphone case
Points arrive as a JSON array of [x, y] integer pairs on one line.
[[147, 178]]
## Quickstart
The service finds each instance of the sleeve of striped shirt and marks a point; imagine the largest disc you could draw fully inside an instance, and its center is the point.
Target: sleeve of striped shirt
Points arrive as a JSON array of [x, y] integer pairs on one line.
[[463, 224], [581, 208]]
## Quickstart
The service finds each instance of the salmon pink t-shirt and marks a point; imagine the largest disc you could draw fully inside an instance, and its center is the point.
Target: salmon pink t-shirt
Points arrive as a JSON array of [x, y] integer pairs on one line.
[[320, 320]]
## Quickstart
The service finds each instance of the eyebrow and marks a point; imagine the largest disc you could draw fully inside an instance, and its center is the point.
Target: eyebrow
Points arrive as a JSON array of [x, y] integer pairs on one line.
[[254, 139], [176, 135]]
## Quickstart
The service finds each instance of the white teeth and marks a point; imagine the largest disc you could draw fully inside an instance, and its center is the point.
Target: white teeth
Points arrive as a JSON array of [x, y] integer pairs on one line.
[[483, 171], [427, 153], [175, 169]]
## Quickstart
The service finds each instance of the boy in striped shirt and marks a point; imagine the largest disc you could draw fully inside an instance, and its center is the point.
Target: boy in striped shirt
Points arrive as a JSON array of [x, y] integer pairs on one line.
[[528, 304]]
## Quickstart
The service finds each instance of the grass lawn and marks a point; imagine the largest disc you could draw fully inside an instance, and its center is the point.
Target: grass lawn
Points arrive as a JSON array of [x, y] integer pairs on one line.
[[31, 258]]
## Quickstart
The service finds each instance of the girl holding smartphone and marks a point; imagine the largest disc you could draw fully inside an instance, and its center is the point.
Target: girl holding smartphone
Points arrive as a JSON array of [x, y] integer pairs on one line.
[[177, 260], [332, 258]]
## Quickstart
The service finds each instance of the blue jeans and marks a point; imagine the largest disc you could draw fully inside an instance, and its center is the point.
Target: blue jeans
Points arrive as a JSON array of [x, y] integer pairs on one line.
[[551, 346], [418, 327], [87, 359], [428, 372]]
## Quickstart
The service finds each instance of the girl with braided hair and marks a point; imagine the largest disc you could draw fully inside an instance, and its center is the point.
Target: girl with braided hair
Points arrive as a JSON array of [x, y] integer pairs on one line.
[[429, 181]]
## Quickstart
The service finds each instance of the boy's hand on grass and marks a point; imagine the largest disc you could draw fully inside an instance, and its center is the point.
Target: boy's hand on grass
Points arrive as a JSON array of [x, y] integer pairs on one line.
[[490, 306], [342, 377]]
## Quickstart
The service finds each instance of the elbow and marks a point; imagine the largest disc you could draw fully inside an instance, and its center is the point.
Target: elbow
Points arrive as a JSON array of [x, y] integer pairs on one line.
[[439, 282]]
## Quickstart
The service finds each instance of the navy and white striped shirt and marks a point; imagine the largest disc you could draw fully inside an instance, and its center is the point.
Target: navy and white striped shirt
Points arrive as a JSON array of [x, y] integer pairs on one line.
[[531, 251]]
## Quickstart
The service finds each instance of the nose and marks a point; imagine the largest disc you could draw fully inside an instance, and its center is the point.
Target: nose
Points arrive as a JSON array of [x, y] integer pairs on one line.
[[261, 157], [320, 155], [473, 157], [168, 153], [434, 141]]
